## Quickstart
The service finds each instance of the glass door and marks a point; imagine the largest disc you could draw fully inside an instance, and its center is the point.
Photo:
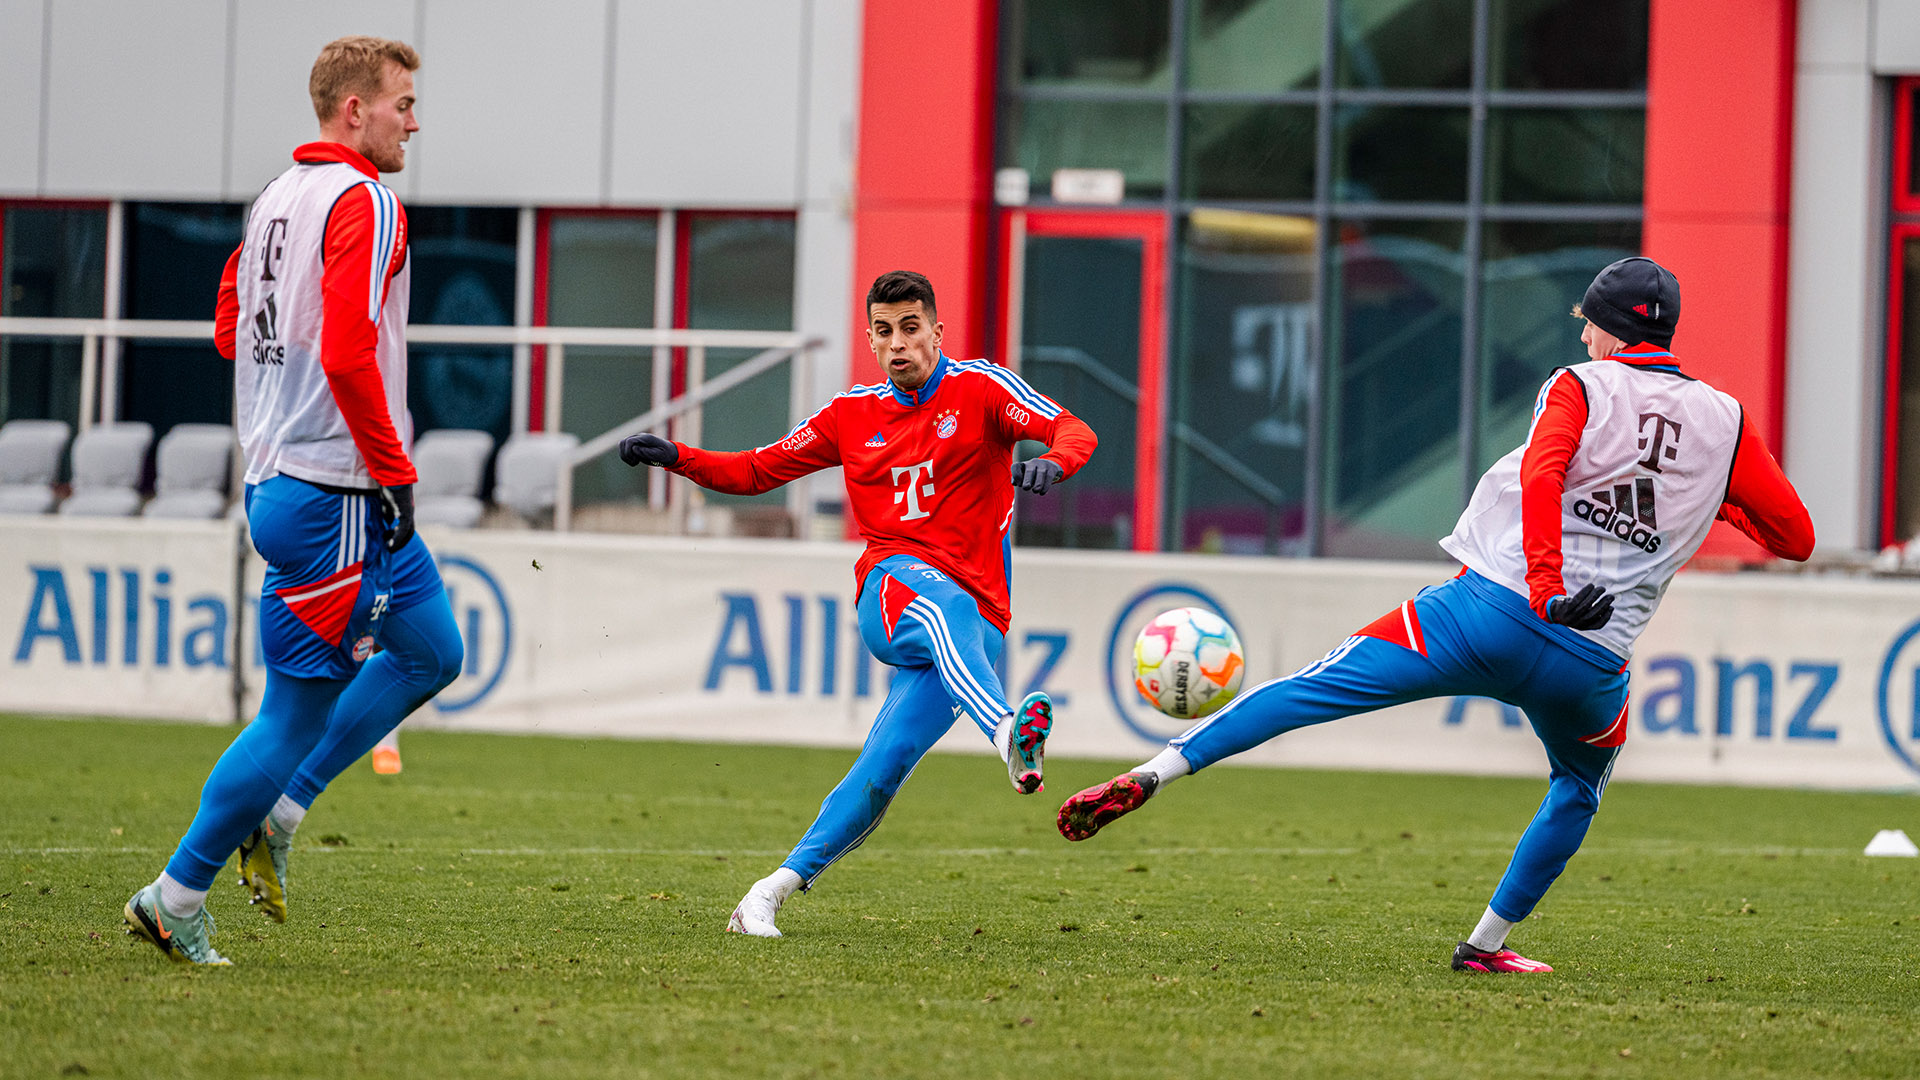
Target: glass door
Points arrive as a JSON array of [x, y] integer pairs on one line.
[[1082, 298]]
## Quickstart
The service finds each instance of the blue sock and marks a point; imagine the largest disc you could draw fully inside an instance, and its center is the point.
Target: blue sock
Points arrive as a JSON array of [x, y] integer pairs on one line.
[[422, 653], [251, 774]]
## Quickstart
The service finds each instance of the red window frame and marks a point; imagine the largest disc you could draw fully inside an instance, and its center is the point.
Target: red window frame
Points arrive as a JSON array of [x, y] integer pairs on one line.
[[1150, 228]]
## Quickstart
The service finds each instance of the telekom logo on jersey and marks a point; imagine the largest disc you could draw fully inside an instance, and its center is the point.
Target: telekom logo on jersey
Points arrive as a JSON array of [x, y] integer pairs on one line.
[[912, 493]]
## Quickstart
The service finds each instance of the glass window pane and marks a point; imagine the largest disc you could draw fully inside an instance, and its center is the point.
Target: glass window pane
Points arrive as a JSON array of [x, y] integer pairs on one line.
[[1405, 43], [1906, 519], [1254, 44], [175, 255], [1393, 412], [1046, 135], [1249, 151], [1533, 274], [1566, 155], [52, 265], [1568, 45], [1242, 384], [740, 277], [1108, 43], [464, 260], [1400, 154], [600, 272], [1080, 345]]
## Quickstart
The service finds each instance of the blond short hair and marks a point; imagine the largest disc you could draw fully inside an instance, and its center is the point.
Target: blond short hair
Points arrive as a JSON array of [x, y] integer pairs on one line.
[[354, 65]]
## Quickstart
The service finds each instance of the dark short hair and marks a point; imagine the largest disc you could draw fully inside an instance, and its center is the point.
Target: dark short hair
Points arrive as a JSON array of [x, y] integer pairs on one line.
[[900, 287]]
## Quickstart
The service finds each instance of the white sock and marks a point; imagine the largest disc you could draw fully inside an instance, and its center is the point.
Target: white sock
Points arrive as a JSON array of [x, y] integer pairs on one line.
[[781, 883], [1166, 766], [1491, 934], [1003, 736], [389, 741], [287, 815], [180, 901]]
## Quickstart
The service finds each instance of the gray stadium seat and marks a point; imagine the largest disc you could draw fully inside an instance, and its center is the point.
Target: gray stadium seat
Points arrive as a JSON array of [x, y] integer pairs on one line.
[[451, 463], [526, 475], [29, 464], [107, 462], [191, 472]]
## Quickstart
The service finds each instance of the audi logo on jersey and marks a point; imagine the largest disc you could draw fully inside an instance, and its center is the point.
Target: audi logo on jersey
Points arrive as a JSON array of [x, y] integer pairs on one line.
[[1626, 510]]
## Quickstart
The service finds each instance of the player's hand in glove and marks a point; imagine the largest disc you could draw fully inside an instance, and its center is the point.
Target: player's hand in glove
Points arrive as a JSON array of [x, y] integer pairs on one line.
[[1588, 609], [1037, 475], [396, 509], [648, 449]]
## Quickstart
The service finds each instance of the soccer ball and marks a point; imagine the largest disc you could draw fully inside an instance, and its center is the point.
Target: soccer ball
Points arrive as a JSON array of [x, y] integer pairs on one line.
[[1188, 662]]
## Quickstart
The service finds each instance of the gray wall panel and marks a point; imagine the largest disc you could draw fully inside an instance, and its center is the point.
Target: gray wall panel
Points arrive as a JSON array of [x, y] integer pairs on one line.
[[706, 103], [1834, 266], [136, 99], [1896, 37], [20, 44], [275, 45], [512, 97]]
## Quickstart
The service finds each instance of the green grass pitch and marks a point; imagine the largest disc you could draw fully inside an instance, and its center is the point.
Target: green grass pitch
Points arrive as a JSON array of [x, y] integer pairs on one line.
[[523, 906]]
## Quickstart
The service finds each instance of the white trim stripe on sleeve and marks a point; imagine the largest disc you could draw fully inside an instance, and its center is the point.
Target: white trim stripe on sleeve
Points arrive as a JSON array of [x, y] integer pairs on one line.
[[386, 222], [1013, 385]]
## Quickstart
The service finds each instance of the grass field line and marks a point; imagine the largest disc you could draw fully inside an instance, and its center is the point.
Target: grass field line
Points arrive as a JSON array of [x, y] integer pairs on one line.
[[1650, 847]]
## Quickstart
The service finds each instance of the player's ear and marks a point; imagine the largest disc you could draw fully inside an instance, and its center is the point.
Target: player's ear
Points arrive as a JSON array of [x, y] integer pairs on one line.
[[939, 328]]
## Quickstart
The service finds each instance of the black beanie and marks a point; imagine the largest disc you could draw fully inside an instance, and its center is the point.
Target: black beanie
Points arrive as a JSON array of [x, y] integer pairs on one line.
[[1635, 300]]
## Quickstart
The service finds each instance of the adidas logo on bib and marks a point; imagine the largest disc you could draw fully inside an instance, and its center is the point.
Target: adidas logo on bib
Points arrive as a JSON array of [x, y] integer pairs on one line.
[[1626, 510]]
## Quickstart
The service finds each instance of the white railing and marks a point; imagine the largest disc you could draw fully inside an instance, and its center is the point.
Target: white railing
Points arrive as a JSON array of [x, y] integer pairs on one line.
[[100, 382]]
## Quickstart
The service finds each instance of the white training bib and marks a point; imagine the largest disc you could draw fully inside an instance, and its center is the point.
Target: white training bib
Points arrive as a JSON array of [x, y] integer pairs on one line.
[[1642, 490], [288, 420]]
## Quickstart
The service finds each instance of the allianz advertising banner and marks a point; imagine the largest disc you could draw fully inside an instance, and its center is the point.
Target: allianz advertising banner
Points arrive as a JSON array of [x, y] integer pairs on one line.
[[1751, 679]]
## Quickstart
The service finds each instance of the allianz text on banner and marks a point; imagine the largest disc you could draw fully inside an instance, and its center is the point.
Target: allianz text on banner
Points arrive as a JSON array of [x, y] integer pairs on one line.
[[1750, 679]]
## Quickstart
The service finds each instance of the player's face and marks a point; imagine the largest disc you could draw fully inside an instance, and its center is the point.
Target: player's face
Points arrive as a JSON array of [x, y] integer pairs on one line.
[[1599, 343], [905, 341], [387, 120]]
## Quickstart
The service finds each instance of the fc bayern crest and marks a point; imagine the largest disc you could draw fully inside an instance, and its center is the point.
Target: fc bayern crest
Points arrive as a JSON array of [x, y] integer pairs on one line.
[[363, 648], [949, 423]]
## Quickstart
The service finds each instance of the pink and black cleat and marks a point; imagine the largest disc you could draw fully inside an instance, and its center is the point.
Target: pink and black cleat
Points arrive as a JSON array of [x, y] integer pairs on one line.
[[1505, 961], [1091, 810], [1026, 753]]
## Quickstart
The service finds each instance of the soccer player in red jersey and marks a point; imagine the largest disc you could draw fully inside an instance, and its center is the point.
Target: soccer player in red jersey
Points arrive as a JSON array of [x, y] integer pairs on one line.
[[926, 455]]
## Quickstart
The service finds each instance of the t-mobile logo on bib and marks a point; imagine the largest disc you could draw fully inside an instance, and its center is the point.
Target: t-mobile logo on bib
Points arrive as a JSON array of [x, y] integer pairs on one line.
[[914, 489]]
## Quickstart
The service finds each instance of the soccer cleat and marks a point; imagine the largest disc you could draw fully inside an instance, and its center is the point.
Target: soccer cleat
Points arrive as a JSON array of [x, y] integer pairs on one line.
[[1027, 751], [182, 940], [1505, 961], [263, 869], [1093, 809], [386, 760], [755, 914]]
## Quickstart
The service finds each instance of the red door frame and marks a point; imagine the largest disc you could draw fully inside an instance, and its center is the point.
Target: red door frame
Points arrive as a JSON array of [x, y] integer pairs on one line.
[[1904, 200], [1150, 228]]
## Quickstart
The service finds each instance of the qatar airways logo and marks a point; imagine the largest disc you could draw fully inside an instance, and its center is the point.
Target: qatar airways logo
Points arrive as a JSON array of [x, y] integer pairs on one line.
[[912, 493]]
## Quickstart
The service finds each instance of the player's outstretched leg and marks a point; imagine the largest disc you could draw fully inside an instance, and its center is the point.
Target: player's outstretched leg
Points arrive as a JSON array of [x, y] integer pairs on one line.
[[915, 715], [1362, 674]]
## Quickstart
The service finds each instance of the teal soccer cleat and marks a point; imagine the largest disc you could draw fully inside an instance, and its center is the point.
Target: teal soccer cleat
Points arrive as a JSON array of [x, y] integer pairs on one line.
[[1026, 751], [182, 940]]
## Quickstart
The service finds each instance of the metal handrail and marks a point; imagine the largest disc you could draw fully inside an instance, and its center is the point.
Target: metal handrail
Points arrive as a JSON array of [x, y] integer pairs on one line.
[[99, 381]]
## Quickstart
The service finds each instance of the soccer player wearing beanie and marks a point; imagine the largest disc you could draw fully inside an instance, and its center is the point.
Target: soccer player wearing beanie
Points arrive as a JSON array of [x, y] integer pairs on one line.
[[927, 454], [1567, 546]]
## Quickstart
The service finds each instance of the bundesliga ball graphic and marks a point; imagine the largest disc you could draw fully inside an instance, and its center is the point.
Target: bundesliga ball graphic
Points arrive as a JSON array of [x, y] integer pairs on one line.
[[1187, 662]]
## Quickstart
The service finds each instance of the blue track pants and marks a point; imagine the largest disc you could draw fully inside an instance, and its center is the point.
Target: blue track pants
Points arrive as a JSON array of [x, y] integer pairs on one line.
[[1469, 636], [332, 593], [931, 631]]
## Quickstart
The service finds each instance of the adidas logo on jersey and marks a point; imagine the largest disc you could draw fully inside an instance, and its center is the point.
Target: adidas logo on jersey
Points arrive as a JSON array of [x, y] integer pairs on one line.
[[1626, 510], [877, 440]]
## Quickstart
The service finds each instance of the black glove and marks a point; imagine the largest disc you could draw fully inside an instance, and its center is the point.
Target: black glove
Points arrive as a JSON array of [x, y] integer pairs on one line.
[[1037, 475], [396, 509], [1588, 609], [648, 449]]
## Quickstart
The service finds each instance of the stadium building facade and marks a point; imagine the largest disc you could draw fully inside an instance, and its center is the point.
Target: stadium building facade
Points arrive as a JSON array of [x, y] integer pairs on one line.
[[1302, 263]]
